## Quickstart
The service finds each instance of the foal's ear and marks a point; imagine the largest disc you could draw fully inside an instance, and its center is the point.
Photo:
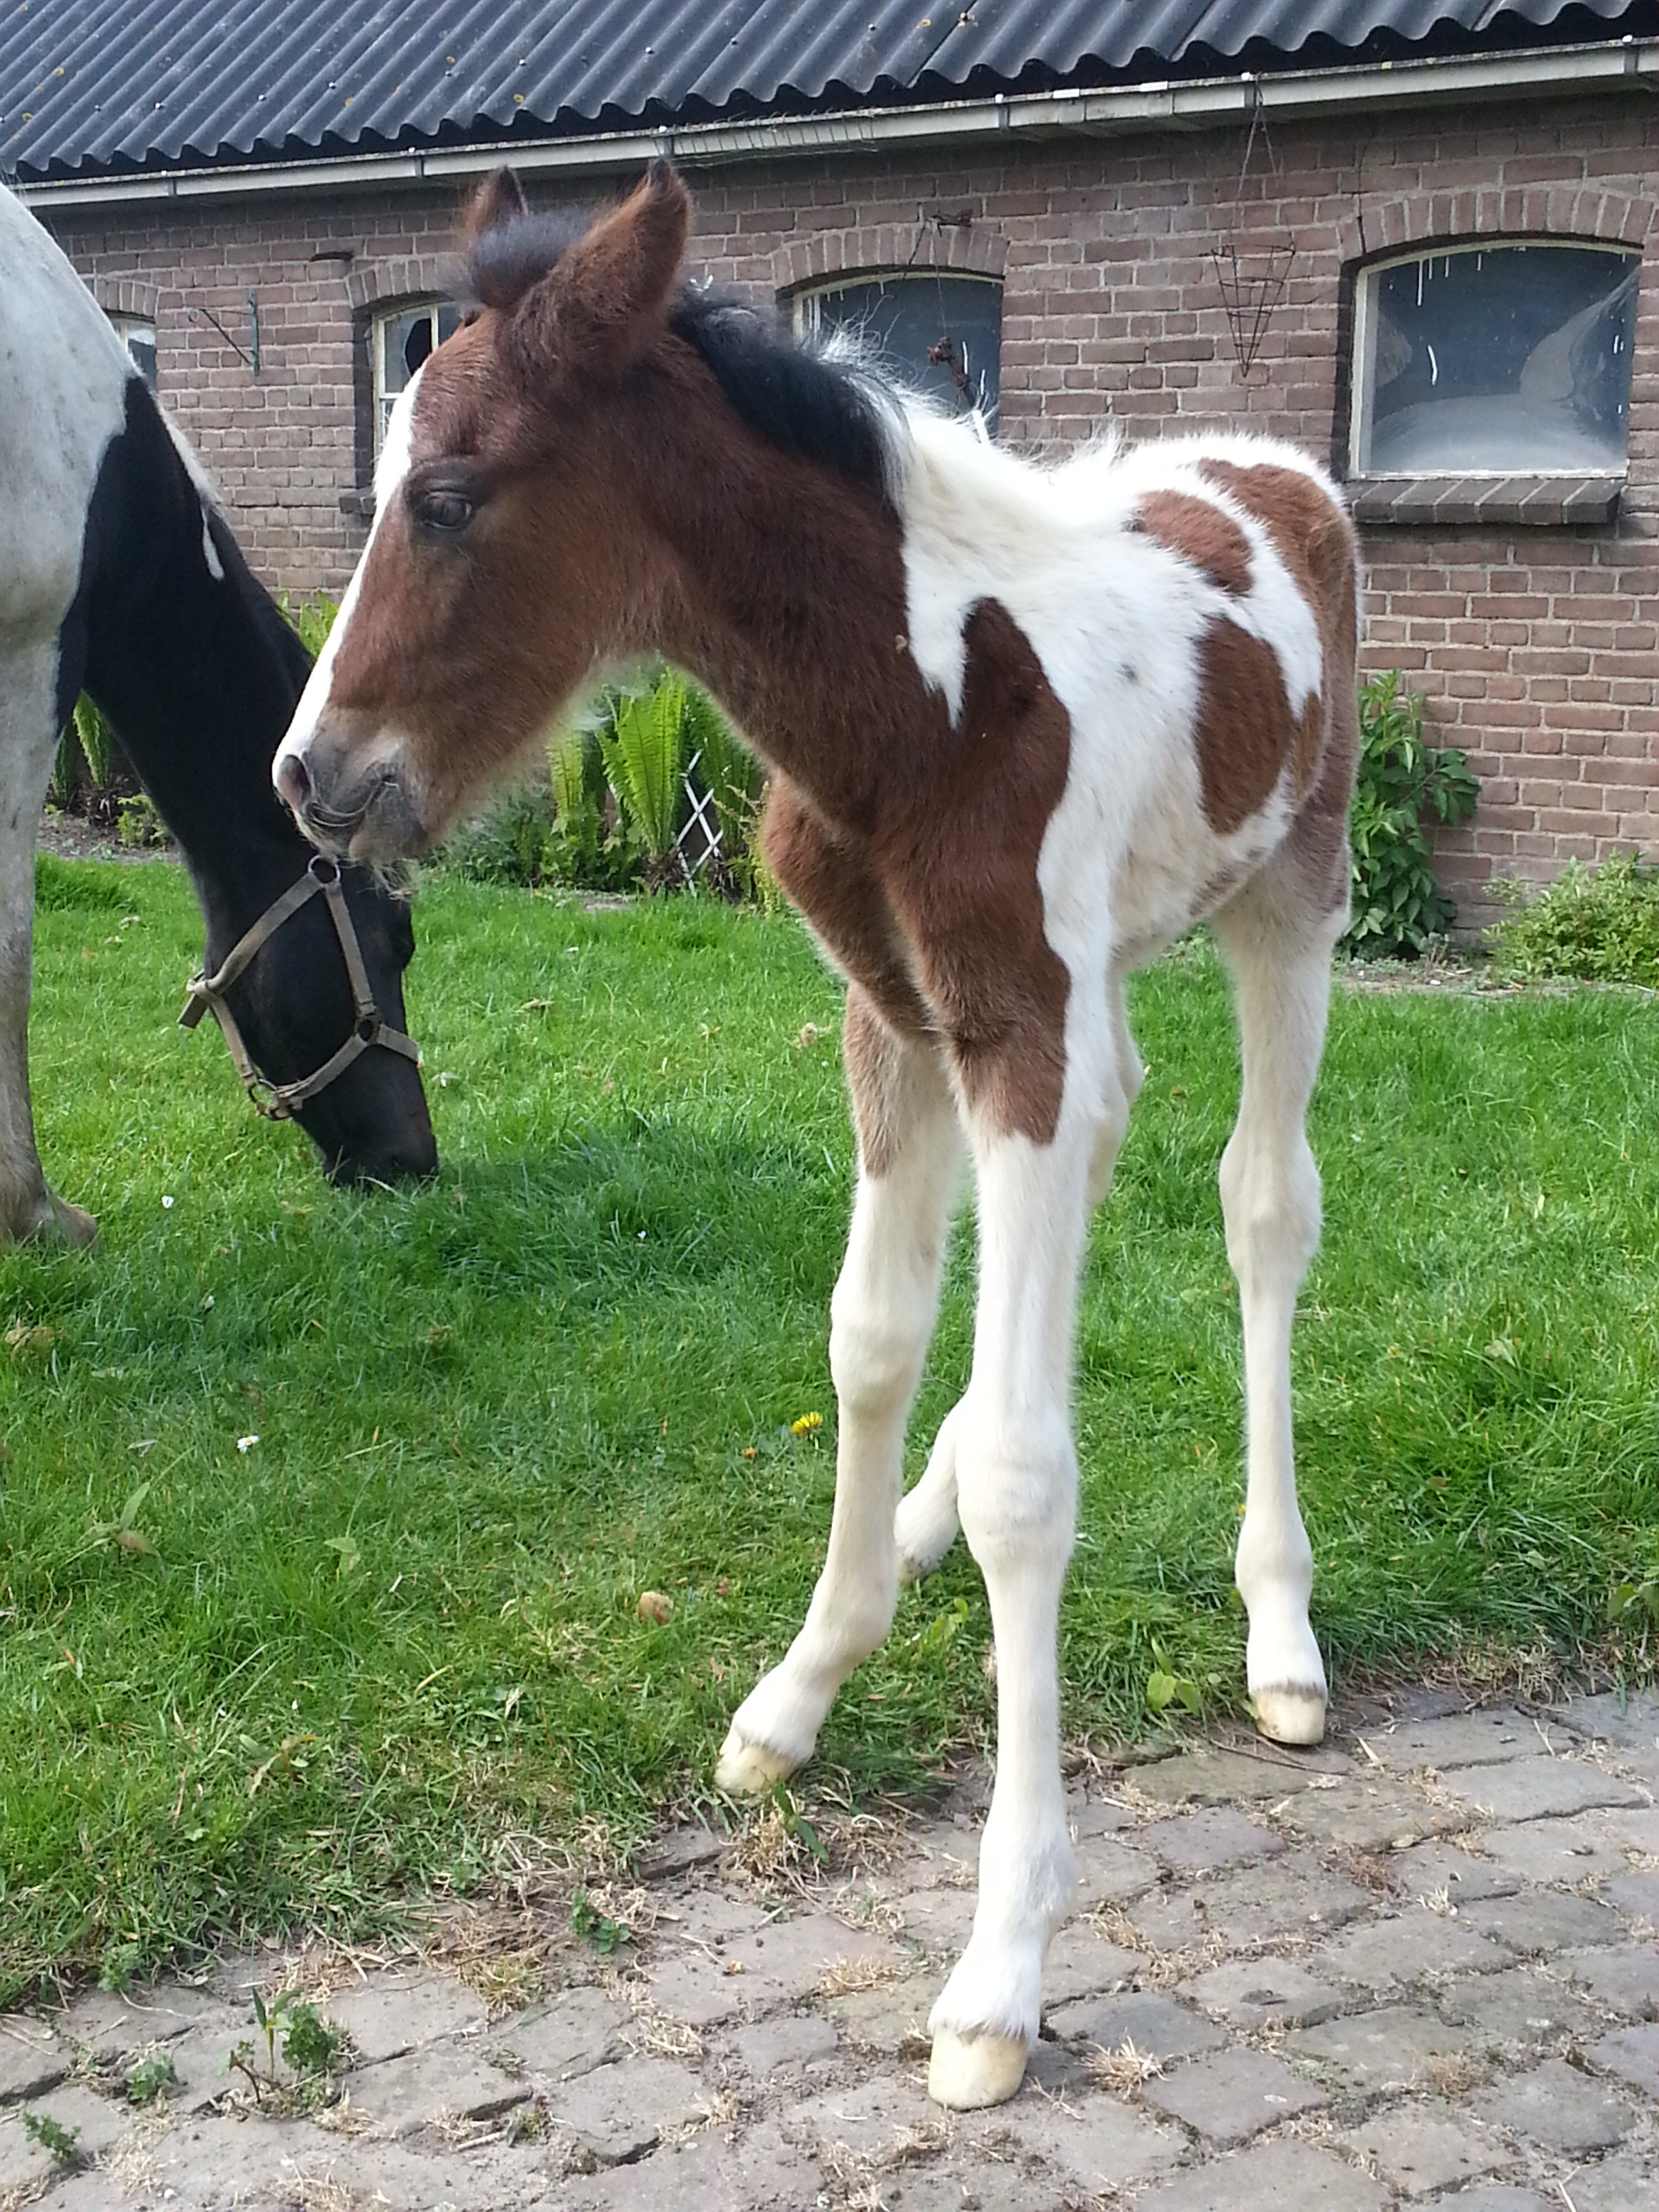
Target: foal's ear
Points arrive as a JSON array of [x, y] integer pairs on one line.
[[499, 199], [609, 295]]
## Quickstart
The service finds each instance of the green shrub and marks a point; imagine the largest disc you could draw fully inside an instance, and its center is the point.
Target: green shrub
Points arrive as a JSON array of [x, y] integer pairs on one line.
[[312, 619], [1404, 783], [1600, 924]]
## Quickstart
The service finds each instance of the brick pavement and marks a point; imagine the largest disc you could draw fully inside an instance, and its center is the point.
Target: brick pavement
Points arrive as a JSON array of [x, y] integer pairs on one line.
[[1417, 1968]]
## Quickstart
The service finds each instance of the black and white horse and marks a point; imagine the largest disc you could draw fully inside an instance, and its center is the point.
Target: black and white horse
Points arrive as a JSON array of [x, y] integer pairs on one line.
[[119, 576]]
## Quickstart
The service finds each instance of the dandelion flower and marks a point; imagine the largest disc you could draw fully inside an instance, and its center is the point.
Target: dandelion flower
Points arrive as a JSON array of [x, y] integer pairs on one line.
[[807, 1423]]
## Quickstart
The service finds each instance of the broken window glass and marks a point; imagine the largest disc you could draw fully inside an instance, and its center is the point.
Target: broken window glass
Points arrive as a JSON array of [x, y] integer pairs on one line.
[[1496, 359], [404, 337]]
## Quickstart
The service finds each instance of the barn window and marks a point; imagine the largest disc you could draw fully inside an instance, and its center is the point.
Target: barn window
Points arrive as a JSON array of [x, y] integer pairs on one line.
[[942, 334], [1494, 360], [138, 335], [404, 335]]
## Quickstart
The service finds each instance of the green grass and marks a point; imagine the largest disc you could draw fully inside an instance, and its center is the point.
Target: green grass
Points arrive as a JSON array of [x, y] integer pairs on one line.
[[396, 1639]]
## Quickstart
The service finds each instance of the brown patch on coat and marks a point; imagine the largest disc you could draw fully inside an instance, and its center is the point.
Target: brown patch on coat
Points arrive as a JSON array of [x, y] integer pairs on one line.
[[1243, 732], [831, 883], [893, 1080], [1312, 537], [1199, 533]]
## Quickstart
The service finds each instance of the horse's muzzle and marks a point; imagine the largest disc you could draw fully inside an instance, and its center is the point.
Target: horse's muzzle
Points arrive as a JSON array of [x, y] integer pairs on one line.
[[358, 812]]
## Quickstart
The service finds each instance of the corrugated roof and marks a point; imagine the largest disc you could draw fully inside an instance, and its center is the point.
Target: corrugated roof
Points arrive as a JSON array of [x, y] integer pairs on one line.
[[91, 87]]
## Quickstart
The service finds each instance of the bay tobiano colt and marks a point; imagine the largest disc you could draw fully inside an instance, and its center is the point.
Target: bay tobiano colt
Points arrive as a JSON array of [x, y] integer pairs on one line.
[[118, 575], [1024, 727]]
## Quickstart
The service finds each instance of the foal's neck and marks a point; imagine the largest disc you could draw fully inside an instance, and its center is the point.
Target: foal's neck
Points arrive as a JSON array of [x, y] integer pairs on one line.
[[788, 601]]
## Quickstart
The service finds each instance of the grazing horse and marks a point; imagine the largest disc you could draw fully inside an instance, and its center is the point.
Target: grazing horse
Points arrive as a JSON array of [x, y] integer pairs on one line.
[[1026, 726], [119, 576]]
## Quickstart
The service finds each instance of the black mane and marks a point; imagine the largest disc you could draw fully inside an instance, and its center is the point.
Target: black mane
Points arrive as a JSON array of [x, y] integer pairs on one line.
[[824, 410]]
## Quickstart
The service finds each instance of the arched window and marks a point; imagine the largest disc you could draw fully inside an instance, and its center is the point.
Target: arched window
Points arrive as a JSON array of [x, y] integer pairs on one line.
[[1505, 358], [941, 333], [403, 335]]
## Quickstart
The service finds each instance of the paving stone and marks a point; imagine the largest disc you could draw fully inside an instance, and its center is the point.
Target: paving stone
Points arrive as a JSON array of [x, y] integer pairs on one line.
[[712, 1917], [617, 2113], [1393, 2047], [1631, 2053], [23, 2162], [679, 1851], [1233, 2095], [1636, 1895], [792, 2040], [946, 2186], [98, 2126], [1557, 2106], [697, 1987], [1417, 2150], [1156, 2025], [1633, 1828], [1204, 1776], [1097, 1816], [1412, 1947], [572, 2033], [1111, 1872], [1277, 2176], [868, 2117], [1538, 1923], [1501, 2196], [1553, 1851], [1095, 2140], [200, 2065], [1621, 2184], [751, 1969], [1212, 1837], [1428, 1869], [107, 2022], [400, 2012], [892, 2018], [31, 2057], [1364, 1815], [1255, 1992], [1292, 1895], [1631, 1723], [1522, 2006], [444, 2081], [1459, 1739], [1532, 1789], [1625, 1978], [327, 2172], [1081, 1960], [939, 1919], [213, 2164], [716, 2171]]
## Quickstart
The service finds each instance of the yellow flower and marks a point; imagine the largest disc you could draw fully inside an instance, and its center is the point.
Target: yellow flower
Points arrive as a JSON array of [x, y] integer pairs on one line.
[[807, 1423]]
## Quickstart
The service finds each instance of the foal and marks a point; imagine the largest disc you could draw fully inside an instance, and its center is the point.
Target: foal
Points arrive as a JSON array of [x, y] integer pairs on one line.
[[1024, 727]]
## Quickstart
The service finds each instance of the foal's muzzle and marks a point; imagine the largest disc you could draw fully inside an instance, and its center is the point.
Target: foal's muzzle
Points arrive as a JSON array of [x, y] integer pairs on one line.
[[365, 812]]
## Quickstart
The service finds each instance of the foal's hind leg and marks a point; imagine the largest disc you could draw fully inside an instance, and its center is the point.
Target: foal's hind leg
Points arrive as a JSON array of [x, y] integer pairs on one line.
[[881, 1319], [28, 739], [1280, 955]]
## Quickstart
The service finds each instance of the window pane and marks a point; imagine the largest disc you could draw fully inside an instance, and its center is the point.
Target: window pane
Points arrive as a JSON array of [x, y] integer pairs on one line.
[[1505, 358], [139, 339], [940, 334], [405, 341]]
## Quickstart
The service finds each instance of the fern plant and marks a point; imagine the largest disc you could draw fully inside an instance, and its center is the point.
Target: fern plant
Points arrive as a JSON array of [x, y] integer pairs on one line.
[[643, 748], [1404, 782], [89, 743]]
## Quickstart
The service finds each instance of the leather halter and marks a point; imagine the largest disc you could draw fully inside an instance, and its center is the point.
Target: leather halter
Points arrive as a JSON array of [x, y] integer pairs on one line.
[[278, 1102]]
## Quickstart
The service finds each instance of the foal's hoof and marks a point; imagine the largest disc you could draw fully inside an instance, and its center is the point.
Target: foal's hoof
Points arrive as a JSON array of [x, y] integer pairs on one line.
[[1288, 1715], [750, 1770], [967, 2071], [46, 1218]]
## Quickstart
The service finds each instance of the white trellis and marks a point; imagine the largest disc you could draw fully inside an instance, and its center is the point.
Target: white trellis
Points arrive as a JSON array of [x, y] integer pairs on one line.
[[702, 828]]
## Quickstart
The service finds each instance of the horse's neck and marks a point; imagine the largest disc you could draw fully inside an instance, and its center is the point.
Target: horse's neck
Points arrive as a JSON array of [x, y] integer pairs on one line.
[[790, 605], [189, 660]]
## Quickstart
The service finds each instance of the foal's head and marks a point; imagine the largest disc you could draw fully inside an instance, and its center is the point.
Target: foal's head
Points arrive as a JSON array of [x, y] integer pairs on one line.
[[512, 554]]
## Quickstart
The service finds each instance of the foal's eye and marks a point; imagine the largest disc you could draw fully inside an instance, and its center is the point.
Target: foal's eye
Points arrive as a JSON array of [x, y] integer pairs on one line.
[[443, 510]]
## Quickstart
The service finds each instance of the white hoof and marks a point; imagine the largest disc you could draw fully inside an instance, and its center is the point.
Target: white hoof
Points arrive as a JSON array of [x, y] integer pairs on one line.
[[968, 2071], [1288, 1715], [923, 1529], [750, 1770]]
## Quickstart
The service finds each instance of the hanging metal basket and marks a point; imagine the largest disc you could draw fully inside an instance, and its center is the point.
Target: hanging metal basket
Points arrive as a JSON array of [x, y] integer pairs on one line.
[[1252, 286]]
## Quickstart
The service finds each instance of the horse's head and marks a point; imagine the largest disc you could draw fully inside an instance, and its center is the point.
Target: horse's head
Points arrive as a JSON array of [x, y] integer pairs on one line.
[[512, 554]]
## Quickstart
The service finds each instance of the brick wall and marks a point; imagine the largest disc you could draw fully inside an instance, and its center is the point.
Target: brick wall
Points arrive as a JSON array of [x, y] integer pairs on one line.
[[1536, 647]]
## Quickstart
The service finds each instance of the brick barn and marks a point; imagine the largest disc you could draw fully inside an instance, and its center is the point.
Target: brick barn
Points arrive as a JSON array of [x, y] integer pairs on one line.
[[1412, 235]]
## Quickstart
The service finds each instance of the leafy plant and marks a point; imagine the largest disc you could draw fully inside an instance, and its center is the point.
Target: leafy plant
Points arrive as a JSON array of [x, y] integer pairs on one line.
[[87, 755], [311, 2044], [63, 2143], [150, 2078], [312, 619], [1404, 782], [643, 748], [1600, 924], [118, 1966], [1164, 1687], [138, 822], [596, 1928]]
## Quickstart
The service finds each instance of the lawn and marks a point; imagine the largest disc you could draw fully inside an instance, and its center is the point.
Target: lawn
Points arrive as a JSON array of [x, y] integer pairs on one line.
[[247, 1685]]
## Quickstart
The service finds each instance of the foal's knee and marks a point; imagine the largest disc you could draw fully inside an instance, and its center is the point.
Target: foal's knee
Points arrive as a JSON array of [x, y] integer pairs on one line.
[[1270, 1200], [873, 1359], [1015, 1490]]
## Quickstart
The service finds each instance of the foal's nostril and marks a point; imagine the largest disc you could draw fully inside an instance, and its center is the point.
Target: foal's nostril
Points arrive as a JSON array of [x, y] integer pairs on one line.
[[293, 782]]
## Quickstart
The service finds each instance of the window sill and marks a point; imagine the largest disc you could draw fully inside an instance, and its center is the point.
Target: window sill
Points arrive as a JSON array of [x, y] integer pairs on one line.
[[1413, 502], [360, 503]]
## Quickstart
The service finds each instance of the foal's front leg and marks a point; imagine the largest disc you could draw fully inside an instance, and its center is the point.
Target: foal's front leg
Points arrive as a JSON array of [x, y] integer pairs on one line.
[[881, 1319], [1016, 1469]]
